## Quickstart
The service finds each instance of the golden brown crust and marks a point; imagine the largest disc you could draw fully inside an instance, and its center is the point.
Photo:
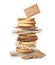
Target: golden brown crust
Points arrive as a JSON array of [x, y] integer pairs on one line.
[[29, 19], [26, 22], [27, 25], [27, 38], [23, 50], [25, 28], [30, 34], [27, 43]]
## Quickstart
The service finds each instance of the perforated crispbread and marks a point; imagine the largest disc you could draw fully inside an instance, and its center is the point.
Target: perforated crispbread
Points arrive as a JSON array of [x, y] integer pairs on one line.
[[32, 10]]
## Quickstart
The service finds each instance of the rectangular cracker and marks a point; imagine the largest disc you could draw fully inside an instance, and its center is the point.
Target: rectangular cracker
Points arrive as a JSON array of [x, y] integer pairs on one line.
[[32, 10], [34, 55]]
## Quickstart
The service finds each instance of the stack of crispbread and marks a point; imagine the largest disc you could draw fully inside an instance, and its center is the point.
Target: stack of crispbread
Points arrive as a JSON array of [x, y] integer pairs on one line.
[[26, 30]]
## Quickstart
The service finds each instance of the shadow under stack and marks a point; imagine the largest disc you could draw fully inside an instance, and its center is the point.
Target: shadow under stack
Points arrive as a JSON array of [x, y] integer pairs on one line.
[[27, 38]]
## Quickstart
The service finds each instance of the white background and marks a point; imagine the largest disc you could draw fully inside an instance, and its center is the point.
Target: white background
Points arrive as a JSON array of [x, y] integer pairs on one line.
[[10, 10]]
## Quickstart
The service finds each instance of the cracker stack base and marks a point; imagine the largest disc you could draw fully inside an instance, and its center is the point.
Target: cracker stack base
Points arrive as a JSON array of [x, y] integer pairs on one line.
[[27, 39]]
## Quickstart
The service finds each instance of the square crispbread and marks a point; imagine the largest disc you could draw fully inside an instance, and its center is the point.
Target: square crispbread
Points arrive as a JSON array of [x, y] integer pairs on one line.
[[32, 10]]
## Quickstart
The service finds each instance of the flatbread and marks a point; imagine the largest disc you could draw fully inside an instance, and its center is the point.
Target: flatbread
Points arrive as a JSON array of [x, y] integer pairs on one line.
[[32, 10]]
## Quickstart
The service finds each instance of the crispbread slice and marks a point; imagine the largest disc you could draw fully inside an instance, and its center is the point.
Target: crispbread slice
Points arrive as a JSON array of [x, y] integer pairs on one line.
[[32, 10]]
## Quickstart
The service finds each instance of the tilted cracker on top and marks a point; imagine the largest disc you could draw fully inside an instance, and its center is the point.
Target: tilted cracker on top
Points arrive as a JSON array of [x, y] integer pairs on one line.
[[32, 10]]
